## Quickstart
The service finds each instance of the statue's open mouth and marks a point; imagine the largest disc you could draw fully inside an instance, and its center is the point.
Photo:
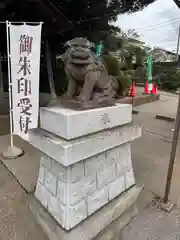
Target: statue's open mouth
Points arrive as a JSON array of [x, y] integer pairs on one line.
[[80, 55]]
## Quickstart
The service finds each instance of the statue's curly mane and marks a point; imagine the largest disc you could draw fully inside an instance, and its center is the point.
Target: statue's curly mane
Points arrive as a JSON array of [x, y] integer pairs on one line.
[[84, 69]]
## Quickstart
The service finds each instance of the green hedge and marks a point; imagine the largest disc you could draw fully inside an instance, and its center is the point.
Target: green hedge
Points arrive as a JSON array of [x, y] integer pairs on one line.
[[123, 77], [170, 80], [112, 65]]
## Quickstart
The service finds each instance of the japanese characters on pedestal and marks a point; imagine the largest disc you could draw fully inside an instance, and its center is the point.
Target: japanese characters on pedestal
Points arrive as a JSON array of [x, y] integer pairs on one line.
[[25, 44]]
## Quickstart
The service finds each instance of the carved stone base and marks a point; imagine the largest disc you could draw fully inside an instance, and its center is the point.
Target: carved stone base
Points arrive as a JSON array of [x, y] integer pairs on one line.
[[67, 122], [78, 105]]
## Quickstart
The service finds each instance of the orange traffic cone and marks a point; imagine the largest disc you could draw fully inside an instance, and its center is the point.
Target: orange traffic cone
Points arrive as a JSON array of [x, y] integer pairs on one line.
[[157, 90], [146, 88], [133, 89], [153, 91]]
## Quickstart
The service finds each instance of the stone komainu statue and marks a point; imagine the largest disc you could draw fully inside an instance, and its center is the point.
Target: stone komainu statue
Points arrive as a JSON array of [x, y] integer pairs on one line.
[[88, 79]]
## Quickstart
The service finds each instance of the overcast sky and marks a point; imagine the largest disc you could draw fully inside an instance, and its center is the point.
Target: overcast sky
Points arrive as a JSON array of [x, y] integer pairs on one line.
[[164, 15]]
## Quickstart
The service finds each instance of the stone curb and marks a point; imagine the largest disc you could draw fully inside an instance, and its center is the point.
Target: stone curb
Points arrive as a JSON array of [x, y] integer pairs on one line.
[[135, 111], [139, 100], [165, 118]]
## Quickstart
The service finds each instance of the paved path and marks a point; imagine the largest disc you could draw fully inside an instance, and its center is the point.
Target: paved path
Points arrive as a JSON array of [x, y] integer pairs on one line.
[[167, 105], [16, 220], [154, 224], [150, 161]]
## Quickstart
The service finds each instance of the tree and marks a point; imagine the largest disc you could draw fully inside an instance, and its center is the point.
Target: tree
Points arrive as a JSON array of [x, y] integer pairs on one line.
[[131, 33], [131, 49], [141, 54], [113, 43], [177, 2], [94, 18]]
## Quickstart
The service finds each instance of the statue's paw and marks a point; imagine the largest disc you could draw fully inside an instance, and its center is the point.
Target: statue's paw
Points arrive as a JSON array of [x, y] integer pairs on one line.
[[81, 99], [66, 96]]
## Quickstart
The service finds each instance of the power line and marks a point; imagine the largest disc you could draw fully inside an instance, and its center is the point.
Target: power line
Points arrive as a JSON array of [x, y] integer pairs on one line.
[[169, 21], [167, 43], [172, 32], [118, 12], [152, 29]]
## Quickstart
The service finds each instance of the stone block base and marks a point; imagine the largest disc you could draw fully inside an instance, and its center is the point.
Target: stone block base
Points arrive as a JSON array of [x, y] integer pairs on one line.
[[73, 193], [86, 160], [102, 225]]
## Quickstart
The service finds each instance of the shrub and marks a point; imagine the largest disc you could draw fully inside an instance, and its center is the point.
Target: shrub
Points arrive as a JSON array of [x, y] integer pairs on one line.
[[170, 80], [112, 65], [130, 72], [123, 84]]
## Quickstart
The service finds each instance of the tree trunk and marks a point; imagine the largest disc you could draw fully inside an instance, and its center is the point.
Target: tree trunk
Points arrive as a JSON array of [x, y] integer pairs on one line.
[[50, 72]]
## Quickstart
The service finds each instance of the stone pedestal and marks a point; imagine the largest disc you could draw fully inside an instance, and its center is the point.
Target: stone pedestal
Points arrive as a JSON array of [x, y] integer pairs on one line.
[[86, 160]]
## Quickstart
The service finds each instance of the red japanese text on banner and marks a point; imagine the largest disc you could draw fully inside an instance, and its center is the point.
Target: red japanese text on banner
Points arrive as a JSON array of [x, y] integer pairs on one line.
[[25, 45]]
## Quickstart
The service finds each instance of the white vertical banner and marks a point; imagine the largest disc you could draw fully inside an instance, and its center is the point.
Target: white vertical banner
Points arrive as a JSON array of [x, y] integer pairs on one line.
[[24, 70]]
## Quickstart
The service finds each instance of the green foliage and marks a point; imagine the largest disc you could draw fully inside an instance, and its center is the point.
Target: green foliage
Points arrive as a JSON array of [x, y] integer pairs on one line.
[[131, 33], [123, 77], [161, 67], [130, 72], [141, 54], [123, 84], [170, 80], [113, 43], [92, 18], [168, 75], [112, 65]]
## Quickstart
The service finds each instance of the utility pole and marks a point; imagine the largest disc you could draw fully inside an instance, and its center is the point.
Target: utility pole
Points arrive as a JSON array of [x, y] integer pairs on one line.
[[1, 76], [177, 50], [174, 140]]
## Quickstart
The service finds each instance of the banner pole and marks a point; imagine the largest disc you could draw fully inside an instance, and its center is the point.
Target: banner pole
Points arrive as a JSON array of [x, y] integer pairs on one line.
[[10, 86], [12, 151]]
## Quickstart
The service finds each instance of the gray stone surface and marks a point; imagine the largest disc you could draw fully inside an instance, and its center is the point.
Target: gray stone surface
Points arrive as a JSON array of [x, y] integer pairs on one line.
[[79, 190], [25, 168], [166, 106], [4, 124], [75, 174], [153, 223], [70, 152], [67, 122], [113, 230], [16, 220], [97, 200], [12, 153], [92, 226], [165, 118], [116, 187], [74, 178]]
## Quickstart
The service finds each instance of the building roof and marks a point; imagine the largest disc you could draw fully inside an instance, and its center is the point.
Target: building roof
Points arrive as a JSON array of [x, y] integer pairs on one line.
[[55, 22], [34, 10], [136, 41], [164, 50]]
